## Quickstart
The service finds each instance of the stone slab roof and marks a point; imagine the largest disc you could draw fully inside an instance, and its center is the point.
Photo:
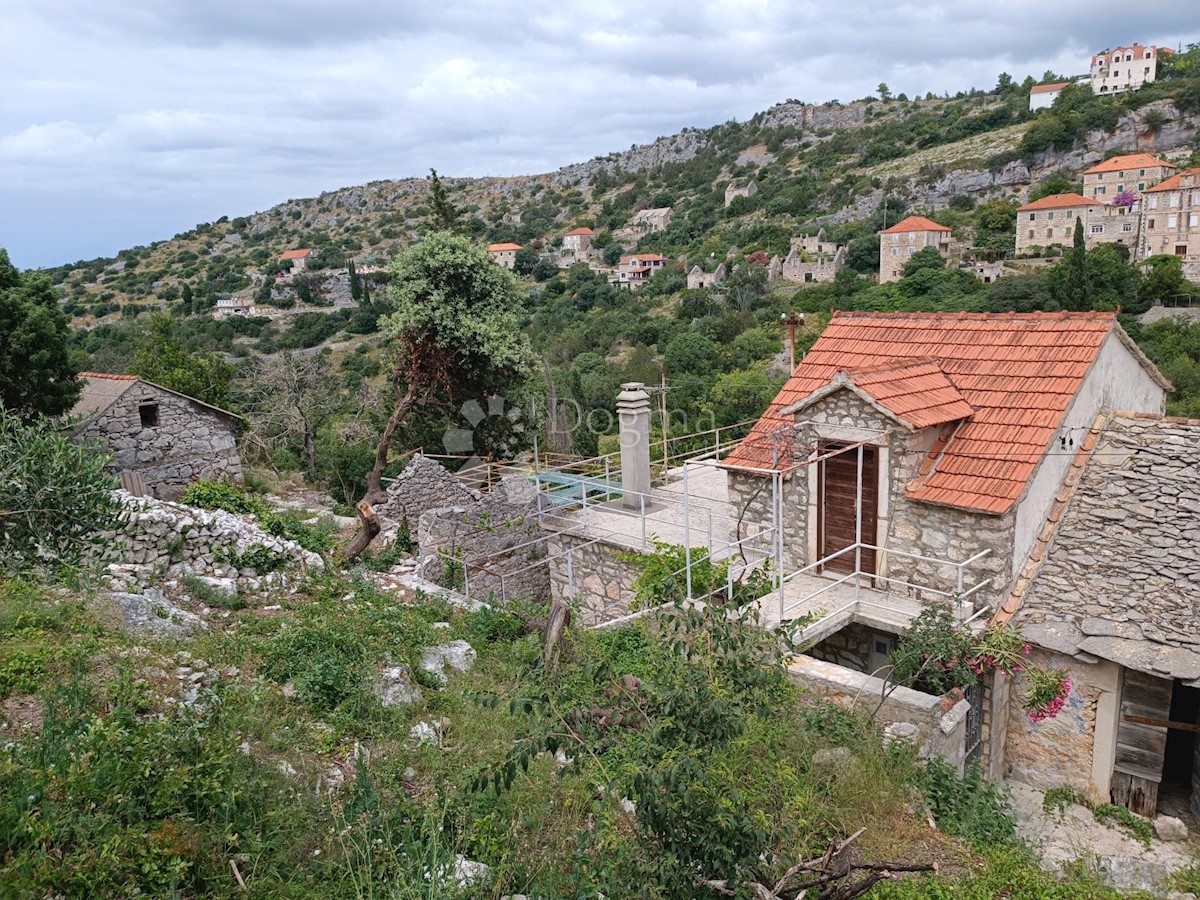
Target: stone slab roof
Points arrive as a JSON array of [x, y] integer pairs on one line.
[[101, 390], [1017, 371], [1120, 578]]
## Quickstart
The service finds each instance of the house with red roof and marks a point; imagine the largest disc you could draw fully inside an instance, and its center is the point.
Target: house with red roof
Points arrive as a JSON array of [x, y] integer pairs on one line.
[[635, 270], [906, 237], [1051, 221], [298, 258], [1042, 96], [504, 255], [578, 241], [1171, 220], [905, 438], [1125, 68], [1129, 173]]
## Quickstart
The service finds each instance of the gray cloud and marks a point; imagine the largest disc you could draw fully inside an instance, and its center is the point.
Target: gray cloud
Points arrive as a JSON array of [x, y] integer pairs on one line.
[[124, 123]]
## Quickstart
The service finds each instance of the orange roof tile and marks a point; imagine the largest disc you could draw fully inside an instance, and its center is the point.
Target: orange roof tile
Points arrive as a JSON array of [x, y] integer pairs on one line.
[[914, 223], [643, 257], [580, 231], [295, 254], [1058, 201], [108, 375], [1046, 88], [1128, 161], [1018, 372], [1173, 183], [496, 248]]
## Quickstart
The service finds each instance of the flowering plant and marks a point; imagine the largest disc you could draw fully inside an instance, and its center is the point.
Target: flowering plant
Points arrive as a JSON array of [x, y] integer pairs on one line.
[[1047, 692], [1124, 198]]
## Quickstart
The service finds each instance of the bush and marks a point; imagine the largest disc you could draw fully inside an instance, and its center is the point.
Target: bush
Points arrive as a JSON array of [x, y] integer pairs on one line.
[[972, 808], [233, 499]]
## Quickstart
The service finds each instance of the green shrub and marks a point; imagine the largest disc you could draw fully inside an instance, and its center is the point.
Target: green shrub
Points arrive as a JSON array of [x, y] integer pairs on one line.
[[972, 808]]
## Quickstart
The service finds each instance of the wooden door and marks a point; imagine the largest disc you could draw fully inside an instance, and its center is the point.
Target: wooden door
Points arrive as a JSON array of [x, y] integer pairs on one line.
[[1141, 745], [837, 494]]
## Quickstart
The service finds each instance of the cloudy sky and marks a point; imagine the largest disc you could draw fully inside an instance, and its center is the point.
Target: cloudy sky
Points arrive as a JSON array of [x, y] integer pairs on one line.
[[128, 121]]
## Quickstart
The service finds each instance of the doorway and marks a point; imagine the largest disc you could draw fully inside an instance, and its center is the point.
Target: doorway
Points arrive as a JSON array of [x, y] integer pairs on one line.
[[837, 496], [1175, 794]]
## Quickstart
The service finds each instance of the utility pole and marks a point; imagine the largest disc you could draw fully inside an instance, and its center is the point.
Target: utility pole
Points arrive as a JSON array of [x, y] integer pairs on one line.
[[791, 321], [662, 407]]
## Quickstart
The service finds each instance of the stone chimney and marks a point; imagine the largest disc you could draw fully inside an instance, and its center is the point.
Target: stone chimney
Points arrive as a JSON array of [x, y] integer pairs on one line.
[[633, 411]]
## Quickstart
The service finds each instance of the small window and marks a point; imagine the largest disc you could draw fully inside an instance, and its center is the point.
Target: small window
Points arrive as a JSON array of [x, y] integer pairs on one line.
[[1031, 233], [148, 413], [1050, 215], [1049, 232], [912, 250], [1101, 190], [1193, 220], [1152, 203], [1097, 229], [1151, 224], [895, 251], [1172, 221], [1128, 226], [1181, 249], [1032, 216], [1141, 172], [1141, 185]]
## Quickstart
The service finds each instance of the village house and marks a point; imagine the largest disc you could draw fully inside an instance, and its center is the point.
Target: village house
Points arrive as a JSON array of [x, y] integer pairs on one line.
[[1171, 220], [298, 258], [698, 278], [813, 259], [578, 241], [234, 305], [1111, 593], [160, 440], [1051, 220], [1131, 173], [1125, 68], [634, 271], [1042, 96], [902, 240], [737, 189], [504, 254], [647, 221]]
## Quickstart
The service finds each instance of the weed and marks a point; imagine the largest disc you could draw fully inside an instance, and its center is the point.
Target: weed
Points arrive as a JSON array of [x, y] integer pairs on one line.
[[970, 807], [1059, 798], [1138, 827]]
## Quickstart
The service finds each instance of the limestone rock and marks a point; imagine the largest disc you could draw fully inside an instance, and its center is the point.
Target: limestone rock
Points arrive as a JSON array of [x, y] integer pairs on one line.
[[424, 733], [833, 757], [458, 655], [151, 613], [395, 687], [1168, 828]]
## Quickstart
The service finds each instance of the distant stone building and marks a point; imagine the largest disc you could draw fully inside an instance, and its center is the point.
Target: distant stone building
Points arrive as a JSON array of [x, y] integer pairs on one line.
[[813, 259], [298, 258], [1131, 173], [647, 221], [504, 254], [234, 305], [634, 271], [1125, 68], [740, 189], [578, 241], [698, 278], [159, 437], [902, 240], [1042, 96], [1171, 221], [1051, 220]]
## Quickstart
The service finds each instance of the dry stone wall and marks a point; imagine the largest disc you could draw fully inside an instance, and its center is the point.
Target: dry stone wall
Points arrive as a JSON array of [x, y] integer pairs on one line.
[[424, 485], [594, 575]]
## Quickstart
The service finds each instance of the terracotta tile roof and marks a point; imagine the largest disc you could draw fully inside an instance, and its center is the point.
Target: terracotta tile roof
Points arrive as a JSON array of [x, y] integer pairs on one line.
[[643, 257], [496, 248], [580, 231], [1058, 201], [1017, 371], [295, 254], [1129, 161], [1047, 88], [914, 223], [917, 392], [1173, 183]]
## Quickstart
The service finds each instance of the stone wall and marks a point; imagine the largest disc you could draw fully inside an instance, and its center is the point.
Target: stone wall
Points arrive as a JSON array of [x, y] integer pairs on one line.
[[593, 575], [1076, 748], [423, 485], [937, 725], [175, 538], [850, 647], [189, 443]]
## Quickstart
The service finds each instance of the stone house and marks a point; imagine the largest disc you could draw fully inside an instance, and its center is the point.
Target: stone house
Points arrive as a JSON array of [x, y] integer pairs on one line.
[[159, 439], [504, 255], [740, 189], [1131, 173], [1051, 220], [1111, 593], [812, 259], [923, 454], [647, 221], [635, 270], [298, 258], [1171, 220], [906, 237], [698, 278], [1125, 68], [1042, 96], [578, 241], [234, 305]]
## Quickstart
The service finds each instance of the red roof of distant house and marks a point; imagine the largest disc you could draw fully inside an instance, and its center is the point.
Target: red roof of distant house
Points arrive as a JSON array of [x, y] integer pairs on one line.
[[1058, 201], [295, 254], [1016, 372], [1128, 161], [1173, 183], [1047, 88], [914, 223], [643, 257], [496, 248], [580, 231], [108, 375]]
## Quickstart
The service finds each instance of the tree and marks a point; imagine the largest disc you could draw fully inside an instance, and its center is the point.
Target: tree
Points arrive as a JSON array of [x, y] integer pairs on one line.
[[162, 358], [690, 353], [925, 258], [56, 499], [862, 254], [355, 285], [1069, 278], [36, 375], [1058, 183], [291, 398], [454, 332], [1004, 84], [885, 93], [745, 284], [1164, 278], [443, 214], [525, 261]]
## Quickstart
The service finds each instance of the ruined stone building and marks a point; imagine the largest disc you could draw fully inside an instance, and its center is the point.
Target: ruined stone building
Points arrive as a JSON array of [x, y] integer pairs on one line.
[[698, 278], [160, 440], [812, 260], [736, 189]]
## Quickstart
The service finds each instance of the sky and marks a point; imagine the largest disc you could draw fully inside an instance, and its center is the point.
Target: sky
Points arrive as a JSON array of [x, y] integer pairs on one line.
[[127, 122]]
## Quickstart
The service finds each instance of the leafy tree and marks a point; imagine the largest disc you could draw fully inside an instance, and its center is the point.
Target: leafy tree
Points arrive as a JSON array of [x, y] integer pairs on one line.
[[162, 358], [356, 291], [443, 214], [925, 258], [56, 499], [525, 261], [1005, 84], [745, 284], [454, 332], [36, 375], [1020, 293], [862, 254], [544, 270], [690, 353], [1058, 183], [885, 93], [1164, 278]]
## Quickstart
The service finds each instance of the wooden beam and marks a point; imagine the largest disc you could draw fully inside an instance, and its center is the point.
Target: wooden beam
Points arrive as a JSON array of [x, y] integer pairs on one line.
[[1162, 723]]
